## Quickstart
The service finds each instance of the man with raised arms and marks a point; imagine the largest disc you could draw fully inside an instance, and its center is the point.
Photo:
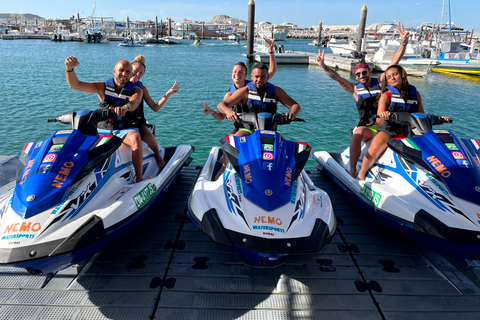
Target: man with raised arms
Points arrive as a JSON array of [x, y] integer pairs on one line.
[[364, 92], [258, 96], [121, 96]]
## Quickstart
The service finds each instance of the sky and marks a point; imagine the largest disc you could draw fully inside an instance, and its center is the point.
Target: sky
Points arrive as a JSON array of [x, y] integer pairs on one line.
[[304, 13]]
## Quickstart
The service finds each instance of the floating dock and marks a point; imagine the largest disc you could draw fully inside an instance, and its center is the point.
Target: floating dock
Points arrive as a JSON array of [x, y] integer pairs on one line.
[[167, 269]]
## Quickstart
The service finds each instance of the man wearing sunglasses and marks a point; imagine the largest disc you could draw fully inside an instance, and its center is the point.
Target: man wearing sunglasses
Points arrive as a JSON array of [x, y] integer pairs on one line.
[[364, 93]]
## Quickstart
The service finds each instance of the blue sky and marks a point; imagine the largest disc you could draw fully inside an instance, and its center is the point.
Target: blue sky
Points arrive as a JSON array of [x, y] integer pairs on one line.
[[304, 13]]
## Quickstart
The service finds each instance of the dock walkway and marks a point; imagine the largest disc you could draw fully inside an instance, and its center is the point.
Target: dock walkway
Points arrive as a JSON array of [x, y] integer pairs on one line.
[[300, 57], [168, 269]]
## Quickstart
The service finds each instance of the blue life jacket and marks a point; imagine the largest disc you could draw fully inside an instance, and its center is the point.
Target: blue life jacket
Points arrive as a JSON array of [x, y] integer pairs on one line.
[[398, 104], [141, 112], [366, 97], [239, 107], [256, 104], [115, 99]]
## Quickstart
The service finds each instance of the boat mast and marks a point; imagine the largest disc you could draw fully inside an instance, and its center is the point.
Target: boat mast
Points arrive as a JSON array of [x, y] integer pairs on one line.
[[441, 18]]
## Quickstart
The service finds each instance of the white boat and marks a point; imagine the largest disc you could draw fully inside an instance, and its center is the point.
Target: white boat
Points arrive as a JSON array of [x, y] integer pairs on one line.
[[172, 40], [94, 35], [413, 66], [346, 47], [282, 56], [459, 62], [273, 31], [127, 43], [412, 60], [61, 34]]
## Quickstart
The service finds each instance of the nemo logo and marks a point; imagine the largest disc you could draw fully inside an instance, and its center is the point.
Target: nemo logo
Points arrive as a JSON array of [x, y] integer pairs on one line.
[[288, 177], [23, 227], [268, 220], [247, 174], [27, 170], [63, 174], [439, 166]]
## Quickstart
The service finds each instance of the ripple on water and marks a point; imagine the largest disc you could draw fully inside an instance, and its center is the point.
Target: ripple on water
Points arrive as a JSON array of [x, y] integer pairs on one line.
[[36, 90]]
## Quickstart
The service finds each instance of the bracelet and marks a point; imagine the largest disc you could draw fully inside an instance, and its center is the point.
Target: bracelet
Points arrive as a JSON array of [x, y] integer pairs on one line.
[[270, 51], [404, 44], [128, 107], [214, 113], [69, 70]]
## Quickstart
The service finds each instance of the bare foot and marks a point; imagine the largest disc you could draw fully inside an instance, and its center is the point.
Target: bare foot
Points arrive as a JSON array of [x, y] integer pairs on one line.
[[361, 176], [141, 179], [353, 173]]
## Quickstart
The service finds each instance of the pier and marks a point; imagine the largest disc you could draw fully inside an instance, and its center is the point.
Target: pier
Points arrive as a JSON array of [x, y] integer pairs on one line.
[[168, 269], [300, 57]]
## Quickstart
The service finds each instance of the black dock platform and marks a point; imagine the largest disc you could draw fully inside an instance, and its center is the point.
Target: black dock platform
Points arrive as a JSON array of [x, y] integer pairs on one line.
[[167, 269]]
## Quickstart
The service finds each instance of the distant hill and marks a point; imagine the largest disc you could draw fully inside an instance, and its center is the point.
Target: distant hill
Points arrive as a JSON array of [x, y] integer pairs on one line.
[[224, 19], [21, 17]]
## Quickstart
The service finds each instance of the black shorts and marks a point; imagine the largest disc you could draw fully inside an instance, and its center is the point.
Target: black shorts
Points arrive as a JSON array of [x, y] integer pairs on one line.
[[393, 129]]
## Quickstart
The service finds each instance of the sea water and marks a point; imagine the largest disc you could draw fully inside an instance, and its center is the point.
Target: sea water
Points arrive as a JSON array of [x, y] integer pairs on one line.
[[35, 89]]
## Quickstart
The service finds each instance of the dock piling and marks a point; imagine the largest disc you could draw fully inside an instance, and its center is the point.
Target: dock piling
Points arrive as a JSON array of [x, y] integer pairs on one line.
[[169, 26], [250, 30], [319, 44], [361, 27]]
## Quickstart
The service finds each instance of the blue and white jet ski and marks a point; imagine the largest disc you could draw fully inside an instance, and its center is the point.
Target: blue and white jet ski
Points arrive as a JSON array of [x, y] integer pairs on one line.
[[263, 205], [426, 187], [75, 194]]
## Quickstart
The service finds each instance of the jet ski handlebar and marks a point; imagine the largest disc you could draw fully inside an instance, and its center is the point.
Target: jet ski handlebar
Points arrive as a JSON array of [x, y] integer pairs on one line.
[[86, 120], [417, 123], [266, 121]]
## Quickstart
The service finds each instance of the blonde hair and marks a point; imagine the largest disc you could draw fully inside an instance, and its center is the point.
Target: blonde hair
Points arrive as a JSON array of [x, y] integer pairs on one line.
[[139, 59]]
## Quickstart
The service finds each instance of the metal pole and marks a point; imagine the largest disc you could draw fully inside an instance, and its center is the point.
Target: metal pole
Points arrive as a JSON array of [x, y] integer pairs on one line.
[[319, 34], [169, 26], [250, 30], [361, 27], [156, 28], [128, 24], [203, 31]]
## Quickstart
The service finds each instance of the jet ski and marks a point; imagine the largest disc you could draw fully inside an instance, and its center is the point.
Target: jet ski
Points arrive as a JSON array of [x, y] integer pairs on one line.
[[75, 194], [426, 186], [263, 204]]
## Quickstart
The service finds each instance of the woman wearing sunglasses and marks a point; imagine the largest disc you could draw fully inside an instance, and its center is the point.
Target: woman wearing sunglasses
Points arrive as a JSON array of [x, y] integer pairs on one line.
[[398, 96], [364, 92]]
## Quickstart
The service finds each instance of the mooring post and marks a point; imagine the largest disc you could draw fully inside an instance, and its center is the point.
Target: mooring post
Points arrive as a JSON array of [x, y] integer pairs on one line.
[[319, 44], [250, 30], [361, 27]]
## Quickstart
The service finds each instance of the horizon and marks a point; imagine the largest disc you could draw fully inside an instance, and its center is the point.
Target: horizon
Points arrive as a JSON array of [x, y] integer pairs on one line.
[[299, 12]]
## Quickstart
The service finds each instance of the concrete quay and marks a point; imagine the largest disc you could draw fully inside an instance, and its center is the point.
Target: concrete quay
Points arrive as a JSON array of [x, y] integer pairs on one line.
[[299, 57]]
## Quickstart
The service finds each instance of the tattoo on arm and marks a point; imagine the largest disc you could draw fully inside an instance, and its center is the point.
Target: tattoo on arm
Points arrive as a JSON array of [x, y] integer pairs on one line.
[[331, 73]]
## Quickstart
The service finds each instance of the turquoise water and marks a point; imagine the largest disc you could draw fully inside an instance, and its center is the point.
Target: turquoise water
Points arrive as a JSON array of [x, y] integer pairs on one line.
[[35, 89]]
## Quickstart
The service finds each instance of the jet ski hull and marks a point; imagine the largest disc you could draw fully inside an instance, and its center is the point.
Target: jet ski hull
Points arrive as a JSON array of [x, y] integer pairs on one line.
[[96, 210], [411, 200]]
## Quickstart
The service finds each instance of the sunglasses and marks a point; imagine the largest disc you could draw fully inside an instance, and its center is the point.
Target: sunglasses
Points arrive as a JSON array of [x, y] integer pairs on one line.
[[364, 72]]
